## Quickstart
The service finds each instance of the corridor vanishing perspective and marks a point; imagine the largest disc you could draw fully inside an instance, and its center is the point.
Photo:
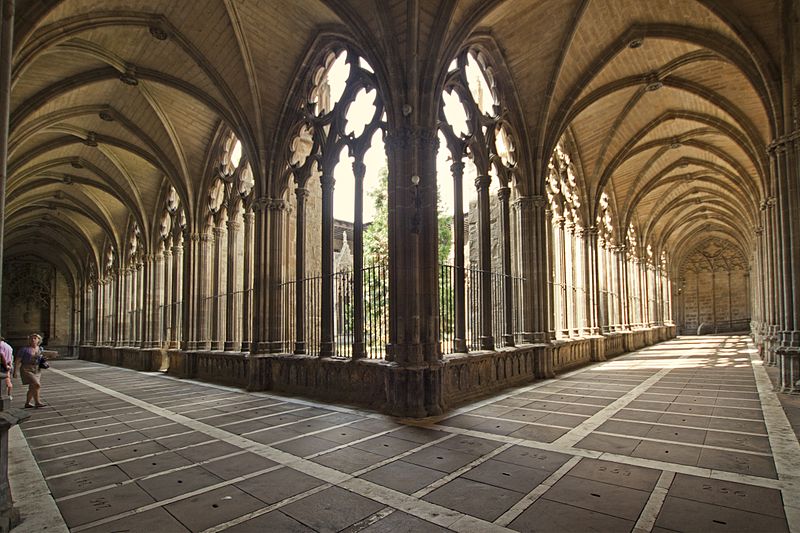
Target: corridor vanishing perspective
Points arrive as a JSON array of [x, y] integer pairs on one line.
[[401, 264], [683, 436]]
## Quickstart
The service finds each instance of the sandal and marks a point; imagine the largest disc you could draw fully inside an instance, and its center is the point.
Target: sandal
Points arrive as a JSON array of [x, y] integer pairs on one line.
[[28, 406], [38, 405]]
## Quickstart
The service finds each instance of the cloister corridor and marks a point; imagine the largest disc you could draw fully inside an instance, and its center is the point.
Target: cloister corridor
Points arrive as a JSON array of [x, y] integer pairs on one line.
[[685, 435]]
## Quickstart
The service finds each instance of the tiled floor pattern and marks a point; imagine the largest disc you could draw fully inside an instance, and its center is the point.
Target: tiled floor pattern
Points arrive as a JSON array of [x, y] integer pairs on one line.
[[670, 438]]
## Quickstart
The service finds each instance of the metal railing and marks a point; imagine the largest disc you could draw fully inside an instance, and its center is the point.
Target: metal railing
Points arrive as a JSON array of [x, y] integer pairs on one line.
[[375, 294], [473, 288]]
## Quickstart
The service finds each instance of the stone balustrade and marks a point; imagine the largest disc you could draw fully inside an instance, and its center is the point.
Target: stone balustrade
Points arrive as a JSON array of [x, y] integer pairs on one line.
[[464, 376]]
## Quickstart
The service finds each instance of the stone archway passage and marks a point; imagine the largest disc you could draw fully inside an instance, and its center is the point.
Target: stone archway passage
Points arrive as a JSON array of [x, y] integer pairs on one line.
[[681, 436]]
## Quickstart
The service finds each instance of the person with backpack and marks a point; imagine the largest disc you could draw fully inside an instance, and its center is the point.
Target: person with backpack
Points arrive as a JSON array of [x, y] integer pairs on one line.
[[6, 363], [29, 364]]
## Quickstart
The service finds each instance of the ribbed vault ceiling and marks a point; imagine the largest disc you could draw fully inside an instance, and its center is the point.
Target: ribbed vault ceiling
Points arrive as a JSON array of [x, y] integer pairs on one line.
[[668, 107]]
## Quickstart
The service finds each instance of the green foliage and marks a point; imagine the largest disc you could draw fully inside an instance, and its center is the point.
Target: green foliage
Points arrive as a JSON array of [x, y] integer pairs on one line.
[[376, 235]]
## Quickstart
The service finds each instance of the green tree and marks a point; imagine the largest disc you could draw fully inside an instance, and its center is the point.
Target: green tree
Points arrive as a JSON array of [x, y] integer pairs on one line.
[[376, 235]]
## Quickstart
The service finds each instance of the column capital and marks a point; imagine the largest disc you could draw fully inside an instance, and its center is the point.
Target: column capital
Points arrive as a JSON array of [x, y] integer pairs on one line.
[[403, 137], [233, 226], [301, 192], [260, 203], [278, 204], [219, 231], [457, 167], [504, 193], [482, 182], [779, 143]]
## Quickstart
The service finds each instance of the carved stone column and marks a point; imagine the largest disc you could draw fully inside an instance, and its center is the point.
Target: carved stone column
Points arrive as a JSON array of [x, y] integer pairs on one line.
[[300, 272], [247, 273], [260, 334], [622, 277], [788, 349], [592, 280], [326, 348], [562, 306], [459, 281], [193, 266], [525, 231], [10, 416], [548, 260], [279, 211], [154, 301], [164, 321], [215, 299], [486, 338], [415, 384], [202, 283], [149, 299], [177, 322], [508, 288], [119, 309], [359, 169], [233, 340]]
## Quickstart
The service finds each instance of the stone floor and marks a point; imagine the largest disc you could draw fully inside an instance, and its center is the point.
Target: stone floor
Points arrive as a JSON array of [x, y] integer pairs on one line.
[[683, 436]]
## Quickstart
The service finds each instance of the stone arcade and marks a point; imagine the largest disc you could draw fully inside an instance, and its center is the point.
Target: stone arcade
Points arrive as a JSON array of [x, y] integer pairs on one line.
[[402, 205]]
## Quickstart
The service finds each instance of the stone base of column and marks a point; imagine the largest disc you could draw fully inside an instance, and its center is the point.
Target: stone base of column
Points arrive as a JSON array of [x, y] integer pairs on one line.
[[258, 372], [508, 340], [232, 346], [326, 349], [486, 343], [598, 348], [415, 391], [543, 361], [789, 362], [460, 346]]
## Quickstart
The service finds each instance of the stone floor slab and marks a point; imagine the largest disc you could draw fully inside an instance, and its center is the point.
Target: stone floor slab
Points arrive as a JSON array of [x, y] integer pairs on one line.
[[279, 484], [463, 495], [634, 477], [403, 476], [331, 510], [208, 509], [274, 521], [614, 500], [679, 514], [546, 516], [174, 484]]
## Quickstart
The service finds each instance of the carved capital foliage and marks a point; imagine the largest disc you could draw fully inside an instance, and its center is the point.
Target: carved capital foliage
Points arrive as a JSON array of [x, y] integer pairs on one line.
[[278, 204], [482, 182], [405, 137], [260, 203], [504, 193]]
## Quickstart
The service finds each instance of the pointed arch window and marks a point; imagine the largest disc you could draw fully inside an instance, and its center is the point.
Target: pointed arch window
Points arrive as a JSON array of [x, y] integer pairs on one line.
[[476, 285], [227, 302], [169, 331], [568, 251], [337, 303]]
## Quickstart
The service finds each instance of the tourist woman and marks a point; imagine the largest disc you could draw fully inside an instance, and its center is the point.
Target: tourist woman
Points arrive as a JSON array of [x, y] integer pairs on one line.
[[28, 364]]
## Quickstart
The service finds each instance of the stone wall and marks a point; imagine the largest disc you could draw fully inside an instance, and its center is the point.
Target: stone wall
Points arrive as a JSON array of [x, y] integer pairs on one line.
[[369, 383], [713, 294]]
